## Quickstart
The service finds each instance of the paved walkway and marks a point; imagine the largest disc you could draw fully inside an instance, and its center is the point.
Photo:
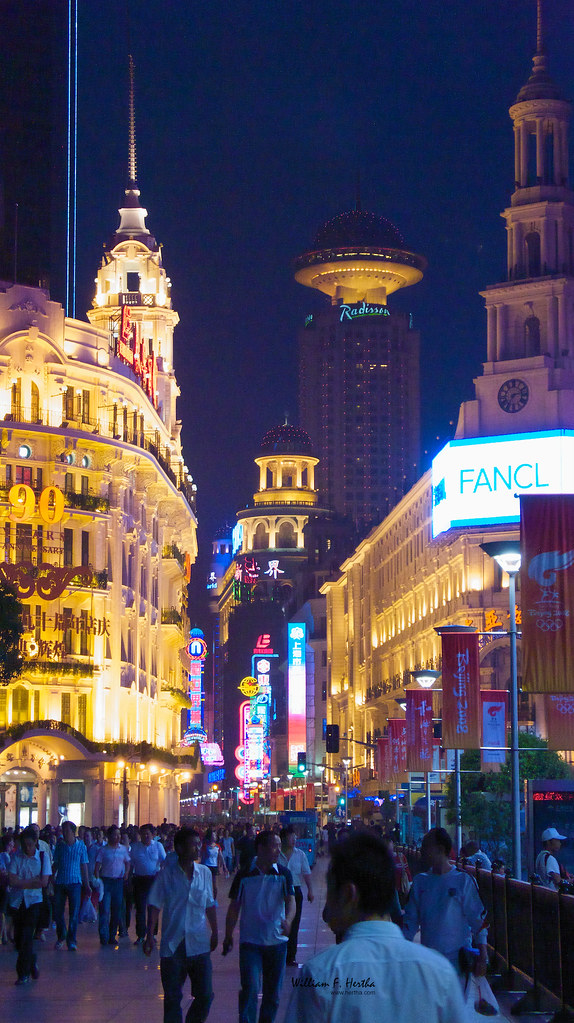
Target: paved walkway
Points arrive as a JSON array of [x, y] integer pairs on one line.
[[106, 985]]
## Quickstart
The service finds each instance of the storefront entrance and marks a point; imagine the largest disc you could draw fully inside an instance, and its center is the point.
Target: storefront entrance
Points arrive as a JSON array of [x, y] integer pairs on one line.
[[18, 798]]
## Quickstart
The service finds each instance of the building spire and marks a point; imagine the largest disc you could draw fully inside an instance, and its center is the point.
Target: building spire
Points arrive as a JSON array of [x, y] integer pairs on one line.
[[132, 169], [539, 28]]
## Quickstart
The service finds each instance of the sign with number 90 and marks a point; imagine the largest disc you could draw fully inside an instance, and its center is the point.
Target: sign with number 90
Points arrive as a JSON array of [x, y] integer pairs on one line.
[[22, 501]]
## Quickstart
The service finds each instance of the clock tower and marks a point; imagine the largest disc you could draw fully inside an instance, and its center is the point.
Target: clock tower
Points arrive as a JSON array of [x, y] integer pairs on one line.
[[527, 383]]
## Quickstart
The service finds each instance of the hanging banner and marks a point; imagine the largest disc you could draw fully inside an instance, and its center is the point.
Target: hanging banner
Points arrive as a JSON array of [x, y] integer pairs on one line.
[[310, 797], [397, 747], [547, 592], [331, 796], [299, 798], [494, 717], [383, 759], [560, 720], [419, 729], [460, 690]]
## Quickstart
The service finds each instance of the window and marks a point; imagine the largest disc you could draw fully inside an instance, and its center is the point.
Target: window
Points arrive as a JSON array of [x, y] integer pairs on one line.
[[85, 406], [23, 542], [85, 547], [66, 711], [24, 474], [84, 636], [34, 403], [69, 483], [84, 484], [68, 547], [3, 708], [16, 399], [36, 705], [20, 705], [68, 403], [82, 713], [532, 244], [133, 280], [68, 635]]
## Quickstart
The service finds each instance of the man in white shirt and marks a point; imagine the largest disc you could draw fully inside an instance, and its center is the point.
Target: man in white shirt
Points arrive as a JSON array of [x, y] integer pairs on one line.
[[297, 862], [373, 974], [444, 903], [184, 890], [112, 864], [547, 866], [147, 857]]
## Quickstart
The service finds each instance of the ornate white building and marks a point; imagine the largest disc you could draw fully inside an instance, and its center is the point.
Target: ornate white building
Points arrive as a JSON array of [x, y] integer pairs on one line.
[[98, 533]]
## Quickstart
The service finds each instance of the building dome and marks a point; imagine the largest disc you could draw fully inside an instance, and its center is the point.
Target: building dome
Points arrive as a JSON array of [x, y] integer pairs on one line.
[[358, 228], [286, 440]]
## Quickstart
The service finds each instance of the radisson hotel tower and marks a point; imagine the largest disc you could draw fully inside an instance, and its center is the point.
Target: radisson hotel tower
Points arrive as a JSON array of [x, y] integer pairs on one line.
[[359, 366]]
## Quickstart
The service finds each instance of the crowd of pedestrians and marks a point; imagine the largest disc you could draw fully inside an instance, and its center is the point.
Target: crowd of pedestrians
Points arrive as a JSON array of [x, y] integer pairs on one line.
[[375, 908]]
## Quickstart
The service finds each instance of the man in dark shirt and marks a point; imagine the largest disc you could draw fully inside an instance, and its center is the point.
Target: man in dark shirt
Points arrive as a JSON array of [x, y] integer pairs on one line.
[[263, 896]]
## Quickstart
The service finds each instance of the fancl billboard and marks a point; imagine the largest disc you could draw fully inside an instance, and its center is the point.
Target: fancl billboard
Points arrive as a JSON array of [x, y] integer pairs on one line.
[[478, 482]]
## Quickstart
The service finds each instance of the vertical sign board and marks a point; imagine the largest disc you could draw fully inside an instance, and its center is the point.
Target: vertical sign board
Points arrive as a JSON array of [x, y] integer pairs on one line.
[[297, 734], [551, 805], [197, 650]]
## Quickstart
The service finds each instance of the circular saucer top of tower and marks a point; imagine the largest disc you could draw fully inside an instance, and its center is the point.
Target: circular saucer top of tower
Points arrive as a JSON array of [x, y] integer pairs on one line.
[[286, 440], [359, 255]]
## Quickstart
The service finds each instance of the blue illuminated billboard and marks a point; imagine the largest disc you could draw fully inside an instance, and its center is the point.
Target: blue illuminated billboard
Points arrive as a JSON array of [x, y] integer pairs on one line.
[[478, 482]]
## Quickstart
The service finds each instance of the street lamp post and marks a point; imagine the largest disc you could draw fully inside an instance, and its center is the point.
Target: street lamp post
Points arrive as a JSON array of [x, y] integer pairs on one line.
[[346, 762], [507, 554], [426, 678]]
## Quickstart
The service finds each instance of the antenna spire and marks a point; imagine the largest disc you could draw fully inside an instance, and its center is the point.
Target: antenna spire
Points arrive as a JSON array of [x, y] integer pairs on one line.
[[539, 28], [132, 170]]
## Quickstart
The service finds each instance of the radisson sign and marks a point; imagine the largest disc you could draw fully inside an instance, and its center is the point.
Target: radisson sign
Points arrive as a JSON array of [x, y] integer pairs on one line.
[[360, 309], [478, 482]]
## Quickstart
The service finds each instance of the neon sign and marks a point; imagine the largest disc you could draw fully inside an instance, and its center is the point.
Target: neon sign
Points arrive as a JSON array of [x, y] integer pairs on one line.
[[478, 481], [353, 312], [130, 349], [297, 732], [210, 753], [197, 650], [237, 537]]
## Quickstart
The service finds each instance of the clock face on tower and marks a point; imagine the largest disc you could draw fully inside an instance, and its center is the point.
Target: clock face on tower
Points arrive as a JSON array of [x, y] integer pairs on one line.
[[513, 395]]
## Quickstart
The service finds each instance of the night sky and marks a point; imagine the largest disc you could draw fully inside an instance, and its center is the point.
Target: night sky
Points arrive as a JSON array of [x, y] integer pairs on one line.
[[253, 118]]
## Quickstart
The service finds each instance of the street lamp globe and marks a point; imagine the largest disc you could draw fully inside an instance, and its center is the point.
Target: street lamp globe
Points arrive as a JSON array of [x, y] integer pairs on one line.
[[506, 553], [425, 677]]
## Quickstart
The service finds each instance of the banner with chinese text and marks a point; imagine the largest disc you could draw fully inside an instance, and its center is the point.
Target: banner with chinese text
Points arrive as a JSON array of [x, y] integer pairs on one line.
[[547, 592], [460, 690], [494, 716], [397, 747], [419, 729], [560, 720], [383, 766]]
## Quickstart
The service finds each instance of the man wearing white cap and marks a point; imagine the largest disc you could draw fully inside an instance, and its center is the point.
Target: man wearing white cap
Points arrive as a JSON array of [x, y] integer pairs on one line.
[[547, 866]]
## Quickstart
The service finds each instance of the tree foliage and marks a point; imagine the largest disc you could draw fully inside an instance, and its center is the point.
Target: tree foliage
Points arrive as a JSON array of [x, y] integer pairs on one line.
[[11, 629], [486, 803]]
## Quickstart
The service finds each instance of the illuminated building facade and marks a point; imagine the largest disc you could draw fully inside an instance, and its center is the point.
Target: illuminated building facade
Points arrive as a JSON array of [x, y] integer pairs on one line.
[[98, 532], [285, 545], [422, 567], [359, 366]]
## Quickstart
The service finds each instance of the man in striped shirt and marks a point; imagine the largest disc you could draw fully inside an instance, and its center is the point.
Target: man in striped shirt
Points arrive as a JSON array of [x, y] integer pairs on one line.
[[70, 873]]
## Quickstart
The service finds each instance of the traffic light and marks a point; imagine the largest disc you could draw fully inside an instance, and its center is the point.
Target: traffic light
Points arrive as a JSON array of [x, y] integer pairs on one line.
[[301, 762], [332, 738], [341, 800]]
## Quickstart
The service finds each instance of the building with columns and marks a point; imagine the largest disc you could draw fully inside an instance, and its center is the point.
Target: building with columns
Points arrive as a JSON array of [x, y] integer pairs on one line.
[[98, 533], [285, 545], [423, 567]]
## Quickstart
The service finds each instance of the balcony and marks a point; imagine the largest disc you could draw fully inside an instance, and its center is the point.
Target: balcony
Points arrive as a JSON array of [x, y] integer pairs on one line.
[[99, 581], [170, 616], [87, 502], [171, 550]]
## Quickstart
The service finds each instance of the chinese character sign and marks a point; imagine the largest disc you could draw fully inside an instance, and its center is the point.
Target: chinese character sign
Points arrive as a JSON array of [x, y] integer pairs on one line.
[[460, 690], [297, 679], [398, 746], [547, 592], [419, 730]]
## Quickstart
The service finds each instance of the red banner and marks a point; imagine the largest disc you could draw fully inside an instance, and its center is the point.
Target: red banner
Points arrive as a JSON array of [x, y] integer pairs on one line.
[[273, 802], [310, 795], [299, 799], [383, 765], [419, 730], [460, 690], [397, 747], [547, 593], [560, 720], [494, 718]]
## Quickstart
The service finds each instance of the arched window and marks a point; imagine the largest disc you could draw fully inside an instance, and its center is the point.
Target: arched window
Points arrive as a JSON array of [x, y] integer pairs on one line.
[[261, 538], [34, 403], [532, 336], [286, 536], [20, 705], [16, 400], [532, 243]]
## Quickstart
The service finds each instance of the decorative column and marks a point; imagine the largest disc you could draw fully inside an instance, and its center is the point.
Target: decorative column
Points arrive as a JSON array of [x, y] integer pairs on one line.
[[41, 802], [491, 333], [523, 155], [516, 155], [552, 343], [539, 150]]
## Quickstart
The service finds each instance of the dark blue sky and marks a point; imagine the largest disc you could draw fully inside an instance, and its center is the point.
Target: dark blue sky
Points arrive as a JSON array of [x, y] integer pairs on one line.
[[252, 119]]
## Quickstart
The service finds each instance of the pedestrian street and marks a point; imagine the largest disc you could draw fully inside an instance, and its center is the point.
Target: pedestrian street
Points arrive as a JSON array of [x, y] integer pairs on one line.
[[107, 985]]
